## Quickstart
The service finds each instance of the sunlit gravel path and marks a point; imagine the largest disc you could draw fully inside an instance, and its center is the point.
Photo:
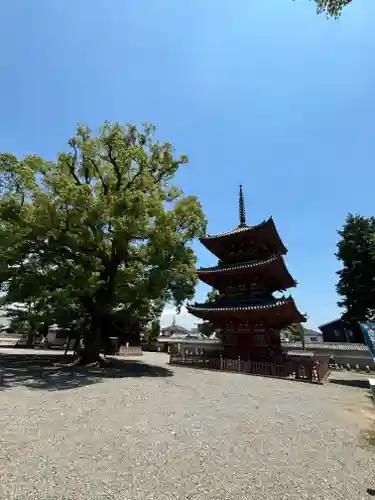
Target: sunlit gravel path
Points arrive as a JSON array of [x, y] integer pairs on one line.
[[178, 433]]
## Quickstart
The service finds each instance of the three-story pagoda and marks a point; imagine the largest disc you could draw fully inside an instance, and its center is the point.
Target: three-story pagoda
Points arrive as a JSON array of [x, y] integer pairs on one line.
[[251, 268]]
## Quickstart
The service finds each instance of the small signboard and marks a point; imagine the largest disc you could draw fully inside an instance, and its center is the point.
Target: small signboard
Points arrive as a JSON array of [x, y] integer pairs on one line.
[[368, 330]]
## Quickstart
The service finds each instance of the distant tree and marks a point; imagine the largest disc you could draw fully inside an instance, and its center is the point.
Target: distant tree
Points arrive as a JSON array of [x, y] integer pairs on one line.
[[152, 332], [212, 296], [206, 328], [356, 251], [332, 8]]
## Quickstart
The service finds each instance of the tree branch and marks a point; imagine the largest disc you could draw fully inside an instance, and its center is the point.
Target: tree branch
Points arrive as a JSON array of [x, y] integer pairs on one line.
[[87, 173], [104, 183], [115, 166], [72, 166]]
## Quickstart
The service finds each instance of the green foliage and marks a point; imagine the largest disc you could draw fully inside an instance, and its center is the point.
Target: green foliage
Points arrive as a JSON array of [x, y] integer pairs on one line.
[[99, 231], [206, 328], [332, 8], [212, 296], [356, 283], [152, 332]]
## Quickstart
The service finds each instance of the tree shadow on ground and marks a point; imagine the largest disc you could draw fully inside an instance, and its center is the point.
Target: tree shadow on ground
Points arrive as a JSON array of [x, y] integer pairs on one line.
[[358, 383], [56, 373]]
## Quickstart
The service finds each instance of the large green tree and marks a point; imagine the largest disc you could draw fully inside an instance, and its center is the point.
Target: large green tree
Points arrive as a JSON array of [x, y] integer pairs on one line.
[[355, 250], [101, 232]]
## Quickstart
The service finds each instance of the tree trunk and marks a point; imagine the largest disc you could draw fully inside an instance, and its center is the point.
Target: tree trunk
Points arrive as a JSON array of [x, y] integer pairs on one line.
[[67, 346], [91, 350], [30, 337]]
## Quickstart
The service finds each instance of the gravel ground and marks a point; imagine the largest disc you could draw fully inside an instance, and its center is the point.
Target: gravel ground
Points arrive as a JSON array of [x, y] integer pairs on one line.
[[165, 432]]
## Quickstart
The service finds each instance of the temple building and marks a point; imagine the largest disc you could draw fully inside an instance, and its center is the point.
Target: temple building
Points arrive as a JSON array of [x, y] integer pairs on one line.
[[250, 270]]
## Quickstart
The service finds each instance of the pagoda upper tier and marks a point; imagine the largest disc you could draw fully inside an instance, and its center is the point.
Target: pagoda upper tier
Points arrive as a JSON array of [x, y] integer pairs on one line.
[[245, 243], [269, 275]]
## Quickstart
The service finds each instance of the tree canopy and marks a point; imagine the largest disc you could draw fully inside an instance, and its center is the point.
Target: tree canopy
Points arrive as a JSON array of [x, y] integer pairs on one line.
[[356, 283], [99, 232], [332, 8]]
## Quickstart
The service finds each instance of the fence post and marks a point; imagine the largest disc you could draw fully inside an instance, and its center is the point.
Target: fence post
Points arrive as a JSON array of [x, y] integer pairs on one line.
[[221, 362], [273, 369], [239, 364]]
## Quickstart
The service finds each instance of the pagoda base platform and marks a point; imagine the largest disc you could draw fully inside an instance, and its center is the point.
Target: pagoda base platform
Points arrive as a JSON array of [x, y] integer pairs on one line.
[[253, 346], [255, 354]]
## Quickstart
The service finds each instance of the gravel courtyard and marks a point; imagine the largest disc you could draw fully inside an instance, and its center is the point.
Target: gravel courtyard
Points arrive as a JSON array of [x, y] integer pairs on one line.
[[159, 432]]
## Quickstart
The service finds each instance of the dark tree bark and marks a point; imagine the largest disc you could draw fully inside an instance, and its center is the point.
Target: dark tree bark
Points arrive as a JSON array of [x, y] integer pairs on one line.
[[67, 346], [91, 350], [92, 342], [30, 337]]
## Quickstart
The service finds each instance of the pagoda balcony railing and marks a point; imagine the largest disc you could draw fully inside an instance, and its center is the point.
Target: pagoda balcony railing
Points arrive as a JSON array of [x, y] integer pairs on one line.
[[306, 370]]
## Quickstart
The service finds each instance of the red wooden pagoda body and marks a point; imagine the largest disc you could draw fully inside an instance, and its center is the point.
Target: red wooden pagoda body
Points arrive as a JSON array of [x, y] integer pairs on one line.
[[251, 268]]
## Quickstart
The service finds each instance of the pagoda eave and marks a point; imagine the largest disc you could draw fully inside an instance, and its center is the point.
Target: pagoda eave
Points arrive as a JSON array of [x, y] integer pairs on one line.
[[274, 267], [279, 314], [279, 285], [266, 230]]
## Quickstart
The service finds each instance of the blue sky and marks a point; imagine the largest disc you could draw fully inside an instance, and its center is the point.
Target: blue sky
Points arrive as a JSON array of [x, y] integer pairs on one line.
[[259, 92]]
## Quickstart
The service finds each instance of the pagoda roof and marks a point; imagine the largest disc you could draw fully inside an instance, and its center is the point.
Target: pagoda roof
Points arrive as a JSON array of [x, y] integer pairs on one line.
[[260, 231], [236, 230], [274, 264], [242, 265], [273, 310], [257, 304]]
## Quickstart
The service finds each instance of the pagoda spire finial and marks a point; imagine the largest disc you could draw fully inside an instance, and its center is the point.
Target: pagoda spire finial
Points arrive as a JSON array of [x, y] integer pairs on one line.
[[242, 209]]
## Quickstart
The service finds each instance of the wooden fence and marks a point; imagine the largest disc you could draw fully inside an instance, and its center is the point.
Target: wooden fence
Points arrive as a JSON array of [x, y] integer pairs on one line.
[[304, 370], [130, 351]]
